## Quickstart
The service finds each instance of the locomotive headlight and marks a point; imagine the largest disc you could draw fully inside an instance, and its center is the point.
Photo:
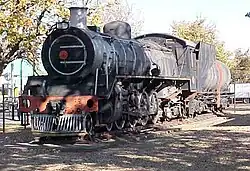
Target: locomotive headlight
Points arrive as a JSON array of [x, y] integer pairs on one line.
[[62, 25]]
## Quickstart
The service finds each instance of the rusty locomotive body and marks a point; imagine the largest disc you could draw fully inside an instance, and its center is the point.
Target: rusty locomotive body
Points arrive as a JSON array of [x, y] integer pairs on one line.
[[109, 79]]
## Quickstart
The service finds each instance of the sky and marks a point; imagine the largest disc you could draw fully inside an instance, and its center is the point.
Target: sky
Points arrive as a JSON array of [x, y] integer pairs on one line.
[[228, 16]]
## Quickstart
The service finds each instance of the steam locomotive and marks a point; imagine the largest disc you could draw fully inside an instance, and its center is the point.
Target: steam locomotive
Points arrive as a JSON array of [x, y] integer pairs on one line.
[[108, 79]]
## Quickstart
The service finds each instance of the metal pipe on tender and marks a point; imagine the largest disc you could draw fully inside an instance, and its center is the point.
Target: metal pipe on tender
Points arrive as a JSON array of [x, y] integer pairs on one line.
[[78, 17]]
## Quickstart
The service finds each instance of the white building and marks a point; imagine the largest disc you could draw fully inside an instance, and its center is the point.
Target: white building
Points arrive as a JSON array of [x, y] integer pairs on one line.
[[11, 75]]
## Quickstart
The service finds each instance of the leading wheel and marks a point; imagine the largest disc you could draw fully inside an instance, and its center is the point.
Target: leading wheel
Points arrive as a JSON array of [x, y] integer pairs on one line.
[[109, 112], [89, 123]]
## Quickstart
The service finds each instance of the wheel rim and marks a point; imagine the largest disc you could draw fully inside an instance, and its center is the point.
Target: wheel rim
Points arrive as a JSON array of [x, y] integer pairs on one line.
[[118, 107], [109, 126], [119, 124], [132, 123], [153, 103], [144, 109], [88, 123], [154, 107], [131, 120]]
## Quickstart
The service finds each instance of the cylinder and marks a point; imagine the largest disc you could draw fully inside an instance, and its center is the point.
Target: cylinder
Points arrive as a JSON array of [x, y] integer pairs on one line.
[[78, 17]]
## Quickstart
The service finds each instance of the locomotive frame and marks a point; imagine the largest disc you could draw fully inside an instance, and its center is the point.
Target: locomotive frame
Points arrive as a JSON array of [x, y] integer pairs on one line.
[[121, 81]]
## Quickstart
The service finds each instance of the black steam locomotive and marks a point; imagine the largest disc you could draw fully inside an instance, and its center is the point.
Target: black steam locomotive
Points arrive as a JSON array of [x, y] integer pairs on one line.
[[109, 79]]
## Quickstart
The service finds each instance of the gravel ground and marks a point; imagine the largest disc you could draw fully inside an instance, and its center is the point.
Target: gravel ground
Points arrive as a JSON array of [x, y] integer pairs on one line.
[[211, 144]]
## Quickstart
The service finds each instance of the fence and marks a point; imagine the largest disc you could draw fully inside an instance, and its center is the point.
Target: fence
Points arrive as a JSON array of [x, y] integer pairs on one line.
[[9, 111]]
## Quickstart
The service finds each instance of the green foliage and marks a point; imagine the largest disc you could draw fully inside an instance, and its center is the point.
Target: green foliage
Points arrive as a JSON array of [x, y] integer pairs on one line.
[[200, 31], [195, 31], [222, 54], [23, 23], [22, 27], [241, 69]]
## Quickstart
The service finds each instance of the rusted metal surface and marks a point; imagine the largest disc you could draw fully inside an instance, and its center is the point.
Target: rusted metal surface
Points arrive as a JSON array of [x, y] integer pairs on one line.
[[74, 104]]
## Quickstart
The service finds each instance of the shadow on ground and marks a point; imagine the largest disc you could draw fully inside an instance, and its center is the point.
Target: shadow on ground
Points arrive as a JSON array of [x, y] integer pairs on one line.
[[237, 120], [190, 150]]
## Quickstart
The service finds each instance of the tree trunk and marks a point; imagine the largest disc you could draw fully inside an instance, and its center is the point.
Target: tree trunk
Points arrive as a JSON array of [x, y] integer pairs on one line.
[[2, 67]]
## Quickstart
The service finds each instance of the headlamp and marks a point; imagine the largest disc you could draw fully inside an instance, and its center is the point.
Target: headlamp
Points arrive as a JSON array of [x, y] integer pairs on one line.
[[62, 25]]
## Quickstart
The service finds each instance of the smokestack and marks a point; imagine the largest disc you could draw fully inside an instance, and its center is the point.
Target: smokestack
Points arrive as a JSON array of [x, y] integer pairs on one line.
[[78, 17]]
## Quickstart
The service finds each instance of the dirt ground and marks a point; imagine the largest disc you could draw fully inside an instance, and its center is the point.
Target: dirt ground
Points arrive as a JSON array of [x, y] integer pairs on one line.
[[219, 143]]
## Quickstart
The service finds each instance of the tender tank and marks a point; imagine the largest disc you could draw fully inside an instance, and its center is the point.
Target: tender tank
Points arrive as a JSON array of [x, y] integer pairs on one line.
[[218, 77]]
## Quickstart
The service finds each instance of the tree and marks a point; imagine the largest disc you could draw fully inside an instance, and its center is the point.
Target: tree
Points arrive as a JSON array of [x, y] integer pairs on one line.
[[101, 12], [109, 10], [22, 27], [23, 23], [241, 70], [200, 31]]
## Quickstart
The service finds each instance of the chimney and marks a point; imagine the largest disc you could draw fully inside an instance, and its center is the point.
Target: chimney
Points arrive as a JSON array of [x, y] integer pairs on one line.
[[78, 17]]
